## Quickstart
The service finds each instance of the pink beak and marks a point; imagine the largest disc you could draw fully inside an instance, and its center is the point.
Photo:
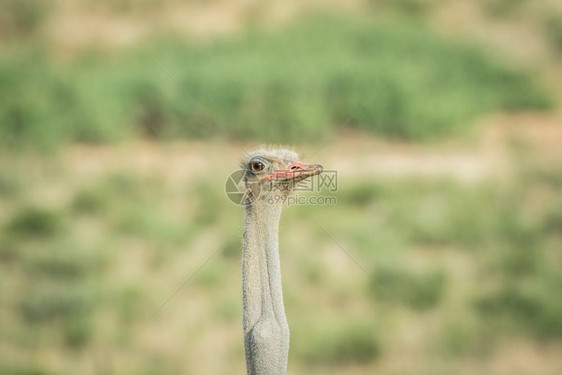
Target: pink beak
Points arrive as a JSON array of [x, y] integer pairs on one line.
[[295, 169]]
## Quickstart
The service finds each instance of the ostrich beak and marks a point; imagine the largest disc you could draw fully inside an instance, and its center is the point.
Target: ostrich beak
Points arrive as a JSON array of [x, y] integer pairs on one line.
[[294, 170]]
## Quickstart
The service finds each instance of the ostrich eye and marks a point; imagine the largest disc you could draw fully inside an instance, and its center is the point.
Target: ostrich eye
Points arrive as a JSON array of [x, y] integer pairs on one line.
[[257, 166]]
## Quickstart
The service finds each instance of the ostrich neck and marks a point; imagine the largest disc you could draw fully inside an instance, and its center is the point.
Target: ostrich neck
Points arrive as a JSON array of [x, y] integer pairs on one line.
[[261, 271], [266, 333]]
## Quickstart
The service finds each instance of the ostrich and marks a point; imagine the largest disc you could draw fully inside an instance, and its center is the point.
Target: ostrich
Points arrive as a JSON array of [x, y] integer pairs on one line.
[[271, 174]]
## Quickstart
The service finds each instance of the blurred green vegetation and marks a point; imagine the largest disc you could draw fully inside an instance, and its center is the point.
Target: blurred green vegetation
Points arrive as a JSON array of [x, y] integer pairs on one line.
[[87, 256], [339, 344], [59, 288], [553, 27], [293, 85], [35, 222], [515, 250], [418, 292]]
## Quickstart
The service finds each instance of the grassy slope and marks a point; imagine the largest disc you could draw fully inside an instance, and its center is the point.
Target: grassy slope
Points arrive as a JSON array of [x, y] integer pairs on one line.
[[85, 261]]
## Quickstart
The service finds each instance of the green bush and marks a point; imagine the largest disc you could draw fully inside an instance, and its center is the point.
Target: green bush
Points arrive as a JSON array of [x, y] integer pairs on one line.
[[502, 8], [90, 201], [418, 291], [552, 222], [513, 308], [515, 302], [233, 249], [63, 261], [36, 222], [292, 85], [408, 7], [359, 194], [78, 331], [62, 110], [346, 344], [46, 302], [442, 213]]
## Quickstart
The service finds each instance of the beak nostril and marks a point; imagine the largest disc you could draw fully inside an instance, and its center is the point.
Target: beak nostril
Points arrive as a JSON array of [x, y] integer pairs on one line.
[[294, 168]]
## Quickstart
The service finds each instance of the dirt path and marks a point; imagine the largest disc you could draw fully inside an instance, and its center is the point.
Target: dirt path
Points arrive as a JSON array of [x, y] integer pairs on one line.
[[488, 155]]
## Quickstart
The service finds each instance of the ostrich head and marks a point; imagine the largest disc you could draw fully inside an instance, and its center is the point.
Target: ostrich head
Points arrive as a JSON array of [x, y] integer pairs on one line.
[[273, 171]]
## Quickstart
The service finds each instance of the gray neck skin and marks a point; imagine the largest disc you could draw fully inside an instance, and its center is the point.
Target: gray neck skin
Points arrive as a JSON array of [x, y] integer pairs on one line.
[[266, 333]]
